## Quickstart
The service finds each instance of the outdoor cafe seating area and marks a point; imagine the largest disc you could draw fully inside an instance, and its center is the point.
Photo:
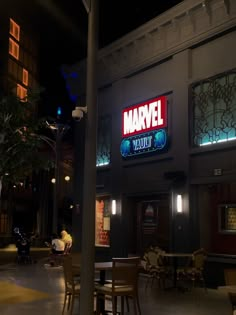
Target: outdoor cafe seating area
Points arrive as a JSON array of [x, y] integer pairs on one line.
[[119, 278], [187, 268], [40, 288]]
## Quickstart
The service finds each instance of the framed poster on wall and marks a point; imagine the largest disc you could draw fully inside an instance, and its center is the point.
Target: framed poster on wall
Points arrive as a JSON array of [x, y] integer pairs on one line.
[[227, 218], [149, 217], [149, 213], [102, 222]]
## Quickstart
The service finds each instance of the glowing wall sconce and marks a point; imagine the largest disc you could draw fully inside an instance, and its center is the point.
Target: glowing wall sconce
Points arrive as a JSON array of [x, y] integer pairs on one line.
[[179, 204], [67, 178], [53, 180], [113, 207]]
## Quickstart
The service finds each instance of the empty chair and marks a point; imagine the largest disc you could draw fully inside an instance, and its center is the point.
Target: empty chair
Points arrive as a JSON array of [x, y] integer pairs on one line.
[[155, 267], [72, 285], [194, 271], [124, 284], [230, 279]]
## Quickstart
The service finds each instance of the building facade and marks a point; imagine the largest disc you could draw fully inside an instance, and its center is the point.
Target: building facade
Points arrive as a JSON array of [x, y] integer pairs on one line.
[[18, 75], [167, 132]]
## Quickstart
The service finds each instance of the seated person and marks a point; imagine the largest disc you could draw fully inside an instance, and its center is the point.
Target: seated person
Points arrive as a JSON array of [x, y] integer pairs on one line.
[[66, 238], [57, 245]]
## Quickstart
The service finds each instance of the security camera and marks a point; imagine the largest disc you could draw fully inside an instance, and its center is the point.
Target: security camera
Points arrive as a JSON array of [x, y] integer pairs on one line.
[[78, 112]]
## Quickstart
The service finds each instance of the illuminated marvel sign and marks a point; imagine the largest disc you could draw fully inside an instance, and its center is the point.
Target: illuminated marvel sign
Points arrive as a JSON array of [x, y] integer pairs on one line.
[[144, 127], [144, 117]]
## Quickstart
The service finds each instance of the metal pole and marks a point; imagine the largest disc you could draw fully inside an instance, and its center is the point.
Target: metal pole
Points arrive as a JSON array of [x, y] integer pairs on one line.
[[57, 178], [89, 192]]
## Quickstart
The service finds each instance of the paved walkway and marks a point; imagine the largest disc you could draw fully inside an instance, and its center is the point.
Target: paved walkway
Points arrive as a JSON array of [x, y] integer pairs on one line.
[[36, 290]]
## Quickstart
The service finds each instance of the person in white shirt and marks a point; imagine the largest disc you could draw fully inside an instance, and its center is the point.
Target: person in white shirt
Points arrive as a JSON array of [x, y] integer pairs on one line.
[[57, 245]]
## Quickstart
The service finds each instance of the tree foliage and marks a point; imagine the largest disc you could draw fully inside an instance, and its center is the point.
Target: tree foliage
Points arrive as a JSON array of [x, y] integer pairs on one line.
[[20, 140]]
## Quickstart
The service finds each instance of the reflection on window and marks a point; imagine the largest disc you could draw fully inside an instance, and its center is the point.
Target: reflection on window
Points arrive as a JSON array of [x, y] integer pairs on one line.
[[214, 110], [25, 77], [104, 141], [21, 93], [102, 225], [14, 30], [13, 49]]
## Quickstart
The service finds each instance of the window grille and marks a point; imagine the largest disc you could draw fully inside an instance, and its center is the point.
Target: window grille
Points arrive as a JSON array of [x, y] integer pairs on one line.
[[104, 141], [214, 110]]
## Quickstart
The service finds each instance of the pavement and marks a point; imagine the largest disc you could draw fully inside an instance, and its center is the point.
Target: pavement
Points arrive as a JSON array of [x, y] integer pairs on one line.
[[36, 289]]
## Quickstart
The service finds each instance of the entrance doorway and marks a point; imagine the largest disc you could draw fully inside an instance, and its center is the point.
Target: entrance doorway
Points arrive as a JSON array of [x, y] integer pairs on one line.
[[148, 222]]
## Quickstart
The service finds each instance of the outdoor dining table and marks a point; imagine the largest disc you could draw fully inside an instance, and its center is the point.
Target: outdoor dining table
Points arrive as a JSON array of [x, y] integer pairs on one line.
[[227, 288], [98, 266], [102, 267], [175, 257]]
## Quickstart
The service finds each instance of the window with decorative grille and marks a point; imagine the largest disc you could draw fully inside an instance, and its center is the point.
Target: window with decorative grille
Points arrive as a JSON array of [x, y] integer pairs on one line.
[[104, 141], [214, 109]]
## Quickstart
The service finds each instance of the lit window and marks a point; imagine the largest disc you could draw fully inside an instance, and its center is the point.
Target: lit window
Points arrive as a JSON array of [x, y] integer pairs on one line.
[[13, 48], [214, 110], [25, 77], [21, 93], [103, 156], [14, 30]]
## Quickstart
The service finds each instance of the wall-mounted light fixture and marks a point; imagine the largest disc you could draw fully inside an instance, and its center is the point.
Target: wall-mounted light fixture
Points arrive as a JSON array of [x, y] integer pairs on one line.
[[179, 204], [67, 178], [113, 207]]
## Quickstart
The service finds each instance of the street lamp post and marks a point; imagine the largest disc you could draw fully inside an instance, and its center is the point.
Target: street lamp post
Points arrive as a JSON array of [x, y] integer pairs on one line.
[[58, 130], [89, 191]]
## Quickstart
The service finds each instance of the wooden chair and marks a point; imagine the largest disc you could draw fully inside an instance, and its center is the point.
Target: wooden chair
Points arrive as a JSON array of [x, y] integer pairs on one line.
[[194, 271], [57, 259], [155, 267], [72, 285], [124, 284], [230, 279]]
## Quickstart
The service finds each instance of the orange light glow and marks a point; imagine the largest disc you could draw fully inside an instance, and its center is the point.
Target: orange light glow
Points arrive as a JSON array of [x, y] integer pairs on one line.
[[25, 77], [21, 93], [13, 49], [14, 30]]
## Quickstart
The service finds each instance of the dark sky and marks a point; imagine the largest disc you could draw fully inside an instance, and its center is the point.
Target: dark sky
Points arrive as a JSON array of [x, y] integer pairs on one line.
[[116, 18], [64, 37], [62, 28]]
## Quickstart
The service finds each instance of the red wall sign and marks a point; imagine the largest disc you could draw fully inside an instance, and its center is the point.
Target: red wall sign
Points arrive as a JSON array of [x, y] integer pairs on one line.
[[144, 117]]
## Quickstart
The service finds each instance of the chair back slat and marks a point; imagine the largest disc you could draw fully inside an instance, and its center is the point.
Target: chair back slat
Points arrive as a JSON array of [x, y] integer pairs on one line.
[[67, 269], [152, 257], [67, 248], [125, 271], [230, 276], [199, 258]]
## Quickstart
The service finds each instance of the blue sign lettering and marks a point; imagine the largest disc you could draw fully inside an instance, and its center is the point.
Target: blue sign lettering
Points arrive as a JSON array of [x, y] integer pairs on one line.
[[148, 142]]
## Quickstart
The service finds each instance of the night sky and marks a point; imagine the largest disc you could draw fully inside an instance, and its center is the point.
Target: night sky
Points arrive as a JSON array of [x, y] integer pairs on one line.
[[69, 34], [62, 28]]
